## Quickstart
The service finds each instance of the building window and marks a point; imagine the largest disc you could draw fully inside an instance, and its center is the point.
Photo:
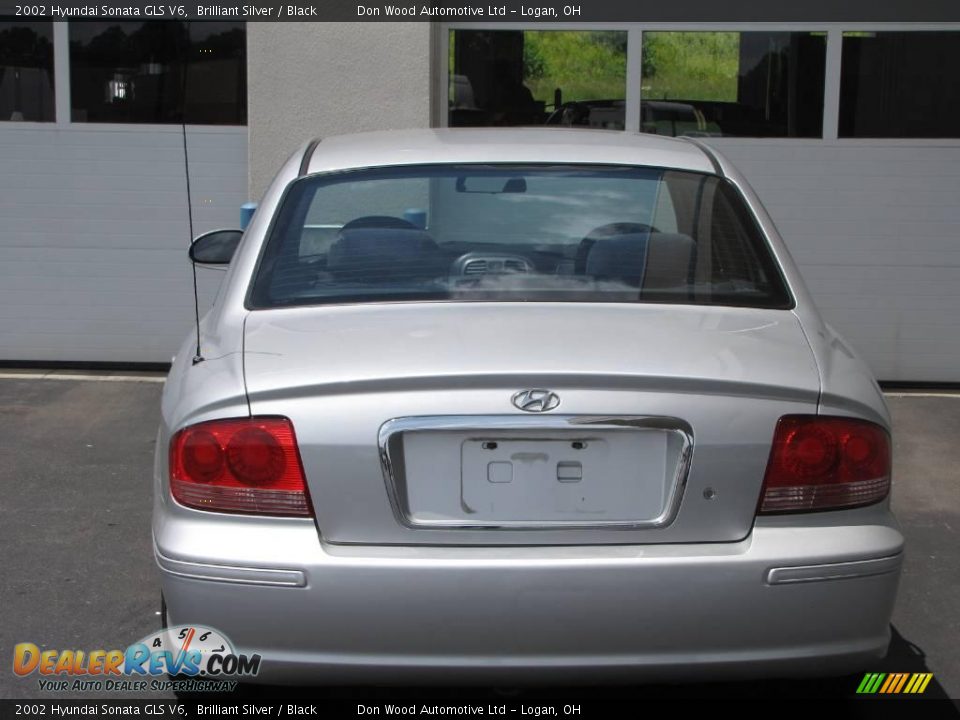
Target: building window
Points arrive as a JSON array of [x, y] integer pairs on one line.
[[26, 71], [158, 72], [534, 77], [746, 84], [900, 85]]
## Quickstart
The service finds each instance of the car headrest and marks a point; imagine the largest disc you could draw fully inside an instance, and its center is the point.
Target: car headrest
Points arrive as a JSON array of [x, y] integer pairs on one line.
[[655, 260], [623, 258], [378, 254], [609, 230], [379, 221]]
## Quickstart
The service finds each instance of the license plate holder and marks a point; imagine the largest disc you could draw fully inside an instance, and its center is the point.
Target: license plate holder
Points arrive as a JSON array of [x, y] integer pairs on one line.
[[577, 479]]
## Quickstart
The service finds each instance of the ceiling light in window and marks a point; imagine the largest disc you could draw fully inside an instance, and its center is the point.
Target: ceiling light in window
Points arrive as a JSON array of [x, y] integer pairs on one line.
[[119, 89]]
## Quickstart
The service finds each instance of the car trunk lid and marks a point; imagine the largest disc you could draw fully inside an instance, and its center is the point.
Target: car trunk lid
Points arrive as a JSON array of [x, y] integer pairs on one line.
[[409, 433]]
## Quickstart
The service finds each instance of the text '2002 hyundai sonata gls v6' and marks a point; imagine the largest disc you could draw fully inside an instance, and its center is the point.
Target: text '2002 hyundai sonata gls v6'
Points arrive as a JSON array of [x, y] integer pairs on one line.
[[522, 404]]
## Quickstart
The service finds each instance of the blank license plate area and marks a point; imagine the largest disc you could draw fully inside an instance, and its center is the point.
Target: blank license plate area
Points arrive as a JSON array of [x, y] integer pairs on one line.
[[510, 479]]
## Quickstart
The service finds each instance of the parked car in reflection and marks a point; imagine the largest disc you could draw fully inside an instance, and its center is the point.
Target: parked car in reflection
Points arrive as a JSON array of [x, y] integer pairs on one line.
[[659, 117]]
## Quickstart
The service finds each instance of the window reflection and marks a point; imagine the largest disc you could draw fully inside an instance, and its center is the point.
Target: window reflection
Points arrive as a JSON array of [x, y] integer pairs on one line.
[[900, 84], [26, 71], [752, 84], [534, 77], [158, 72]]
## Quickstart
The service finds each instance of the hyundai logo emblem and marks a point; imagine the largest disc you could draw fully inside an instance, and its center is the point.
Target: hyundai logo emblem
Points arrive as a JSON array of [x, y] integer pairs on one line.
[[535, 400]]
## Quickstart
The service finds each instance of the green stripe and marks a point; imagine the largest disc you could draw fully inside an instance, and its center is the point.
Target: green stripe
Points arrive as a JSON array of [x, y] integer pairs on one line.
[[879, 681], [863, 683]]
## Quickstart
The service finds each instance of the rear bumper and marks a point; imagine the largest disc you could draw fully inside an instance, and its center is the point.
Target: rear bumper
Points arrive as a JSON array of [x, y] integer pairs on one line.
[[785, 601]]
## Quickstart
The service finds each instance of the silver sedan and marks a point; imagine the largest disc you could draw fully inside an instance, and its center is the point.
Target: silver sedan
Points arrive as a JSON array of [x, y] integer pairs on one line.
[[506, 405]]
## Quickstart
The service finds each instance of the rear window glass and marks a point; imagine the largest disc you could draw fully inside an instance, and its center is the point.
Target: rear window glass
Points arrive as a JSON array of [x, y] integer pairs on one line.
[[516, 233]]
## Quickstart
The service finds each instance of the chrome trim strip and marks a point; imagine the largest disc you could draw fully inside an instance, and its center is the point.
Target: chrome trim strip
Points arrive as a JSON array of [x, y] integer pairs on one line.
[[833, 571], [230, 573], [391, 431]]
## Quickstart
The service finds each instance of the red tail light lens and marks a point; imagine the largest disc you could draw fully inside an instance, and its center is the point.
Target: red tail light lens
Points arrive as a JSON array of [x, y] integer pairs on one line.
[[822, 463], [248, 465]]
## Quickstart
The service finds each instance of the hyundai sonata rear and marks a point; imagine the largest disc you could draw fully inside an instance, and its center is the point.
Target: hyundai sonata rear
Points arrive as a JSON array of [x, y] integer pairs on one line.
[[503, 406]]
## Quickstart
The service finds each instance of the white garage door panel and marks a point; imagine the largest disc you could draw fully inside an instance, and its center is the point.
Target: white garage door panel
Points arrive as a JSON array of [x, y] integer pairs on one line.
[[875, 229], [93, 233], [93, 237]]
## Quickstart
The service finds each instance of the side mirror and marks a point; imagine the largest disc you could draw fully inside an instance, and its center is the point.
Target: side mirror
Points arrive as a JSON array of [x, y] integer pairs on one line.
[[215, 247]]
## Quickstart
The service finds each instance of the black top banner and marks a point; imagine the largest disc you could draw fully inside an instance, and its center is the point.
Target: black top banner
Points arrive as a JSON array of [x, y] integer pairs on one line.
[[528, 11], [220, 707]]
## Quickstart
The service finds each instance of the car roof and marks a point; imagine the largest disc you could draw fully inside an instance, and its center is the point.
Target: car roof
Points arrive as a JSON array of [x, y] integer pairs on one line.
[[513, 145]]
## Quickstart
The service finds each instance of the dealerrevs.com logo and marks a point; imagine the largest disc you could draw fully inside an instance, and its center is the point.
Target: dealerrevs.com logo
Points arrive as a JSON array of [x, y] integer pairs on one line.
[[196, 658]]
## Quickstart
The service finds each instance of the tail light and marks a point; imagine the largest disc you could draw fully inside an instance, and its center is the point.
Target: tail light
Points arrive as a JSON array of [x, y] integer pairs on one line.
[[822, 463], [248, 465]]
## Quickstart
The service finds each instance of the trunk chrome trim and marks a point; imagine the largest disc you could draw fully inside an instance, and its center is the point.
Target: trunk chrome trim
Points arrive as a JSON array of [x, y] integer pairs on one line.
[[392, 430]]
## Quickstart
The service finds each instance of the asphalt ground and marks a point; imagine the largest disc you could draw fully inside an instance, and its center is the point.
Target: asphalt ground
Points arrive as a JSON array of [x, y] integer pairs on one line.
[[77, 568]]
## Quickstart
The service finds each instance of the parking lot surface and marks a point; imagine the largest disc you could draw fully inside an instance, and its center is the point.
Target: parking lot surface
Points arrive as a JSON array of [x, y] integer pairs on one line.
[[76, 458]]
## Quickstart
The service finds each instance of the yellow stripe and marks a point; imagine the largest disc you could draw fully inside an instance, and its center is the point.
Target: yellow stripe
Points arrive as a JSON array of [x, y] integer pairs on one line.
[[921, 679], [926, 681], [903, 679], [888, 681], [913, 682]]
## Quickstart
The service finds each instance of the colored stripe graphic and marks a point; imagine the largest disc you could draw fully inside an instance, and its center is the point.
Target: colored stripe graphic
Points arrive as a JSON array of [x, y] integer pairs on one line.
[[891, 681], [894, 683], [870, 683]]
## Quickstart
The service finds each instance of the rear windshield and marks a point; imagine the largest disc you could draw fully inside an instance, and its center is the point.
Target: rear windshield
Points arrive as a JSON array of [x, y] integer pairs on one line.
[[516, 233]]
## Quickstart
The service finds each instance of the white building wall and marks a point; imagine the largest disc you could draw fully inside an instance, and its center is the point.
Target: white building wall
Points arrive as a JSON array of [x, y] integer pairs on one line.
[[94, 236], [308, 80], [875, 229]]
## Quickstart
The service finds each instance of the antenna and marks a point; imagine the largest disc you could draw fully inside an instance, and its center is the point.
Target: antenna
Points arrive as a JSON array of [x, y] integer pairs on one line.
[[198, 357]]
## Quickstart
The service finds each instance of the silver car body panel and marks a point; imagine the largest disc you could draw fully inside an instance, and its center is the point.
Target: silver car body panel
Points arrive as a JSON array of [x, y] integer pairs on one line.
[[523, 145], [847, 387], [360, 595], [397, 614], [347, 370]]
